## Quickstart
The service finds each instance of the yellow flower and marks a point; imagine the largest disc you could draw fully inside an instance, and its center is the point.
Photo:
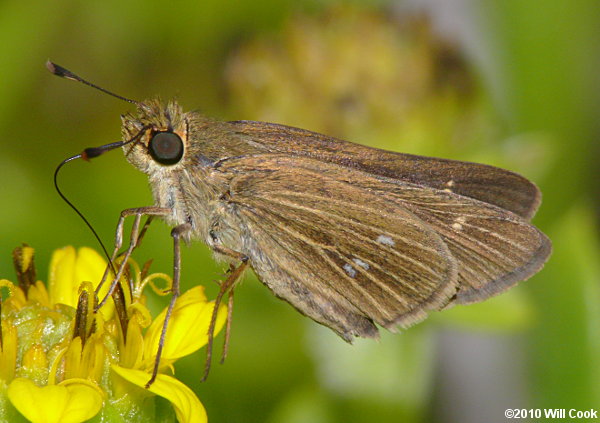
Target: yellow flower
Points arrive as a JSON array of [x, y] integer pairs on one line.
[[69, 268], [62, 362]]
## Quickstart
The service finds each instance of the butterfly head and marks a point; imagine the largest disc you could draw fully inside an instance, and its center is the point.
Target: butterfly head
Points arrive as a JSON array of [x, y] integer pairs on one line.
[[159, 134]]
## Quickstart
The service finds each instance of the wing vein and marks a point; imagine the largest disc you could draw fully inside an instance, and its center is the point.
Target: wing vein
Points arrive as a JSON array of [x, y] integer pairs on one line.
[[498, 236], [355, 205], [374, 229], [385, 287], [354, 283]]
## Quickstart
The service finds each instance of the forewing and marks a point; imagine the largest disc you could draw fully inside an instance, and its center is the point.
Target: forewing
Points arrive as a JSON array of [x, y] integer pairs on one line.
[[336, 250], [494, 248], [489, 184]]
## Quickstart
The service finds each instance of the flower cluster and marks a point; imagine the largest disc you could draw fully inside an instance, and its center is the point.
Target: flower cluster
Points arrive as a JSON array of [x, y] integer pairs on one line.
[[62, 361]]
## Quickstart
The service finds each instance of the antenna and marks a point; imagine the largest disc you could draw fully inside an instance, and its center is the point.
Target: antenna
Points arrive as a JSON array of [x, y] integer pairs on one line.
[[87, 154], [65, 73]]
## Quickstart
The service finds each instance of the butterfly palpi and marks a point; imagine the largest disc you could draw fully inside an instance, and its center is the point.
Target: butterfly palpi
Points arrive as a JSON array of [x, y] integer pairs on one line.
[[351, 236]]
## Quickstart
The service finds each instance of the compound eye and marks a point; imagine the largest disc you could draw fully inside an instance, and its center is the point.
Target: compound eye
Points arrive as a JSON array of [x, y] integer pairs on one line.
[[166, 148]]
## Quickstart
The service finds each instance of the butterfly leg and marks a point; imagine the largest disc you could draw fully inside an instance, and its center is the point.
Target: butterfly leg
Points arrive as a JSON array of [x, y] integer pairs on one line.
[[177, 233], [227, 286], [228, 325], [134, 241]]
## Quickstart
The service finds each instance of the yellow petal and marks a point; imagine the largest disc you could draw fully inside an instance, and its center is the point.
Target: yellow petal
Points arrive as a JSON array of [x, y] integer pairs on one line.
[[61, 285], [38, 293], [131, 352], [34, 364], [188, 327], [74, 402], [68, 269], [90, 266], [8, 352], [73, 366], [188, 407]]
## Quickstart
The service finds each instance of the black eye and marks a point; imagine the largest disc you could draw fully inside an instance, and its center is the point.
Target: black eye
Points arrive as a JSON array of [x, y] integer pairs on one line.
[[166, 148]]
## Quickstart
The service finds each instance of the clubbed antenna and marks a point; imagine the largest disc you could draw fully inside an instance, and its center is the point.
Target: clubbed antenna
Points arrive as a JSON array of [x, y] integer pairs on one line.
[[65, 73]]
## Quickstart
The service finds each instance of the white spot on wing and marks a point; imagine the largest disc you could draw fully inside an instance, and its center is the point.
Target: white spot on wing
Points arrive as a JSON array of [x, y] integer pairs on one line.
[[350, 270], [385, 240], [361, 263], [457, 225], [449, 184]]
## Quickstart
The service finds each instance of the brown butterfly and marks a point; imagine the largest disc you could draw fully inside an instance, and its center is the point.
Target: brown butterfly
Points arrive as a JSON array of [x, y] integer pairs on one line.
[[351, 236]]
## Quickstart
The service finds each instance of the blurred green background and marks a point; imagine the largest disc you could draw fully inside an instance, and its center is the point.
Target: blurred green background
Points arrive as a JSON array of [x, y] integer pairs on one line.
[[510, 83]]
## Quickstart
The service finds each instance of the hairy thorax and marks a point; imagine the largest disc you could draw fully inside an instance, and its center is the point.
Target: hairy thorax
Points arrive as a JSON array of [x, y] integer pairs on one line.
[[199, 197]]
